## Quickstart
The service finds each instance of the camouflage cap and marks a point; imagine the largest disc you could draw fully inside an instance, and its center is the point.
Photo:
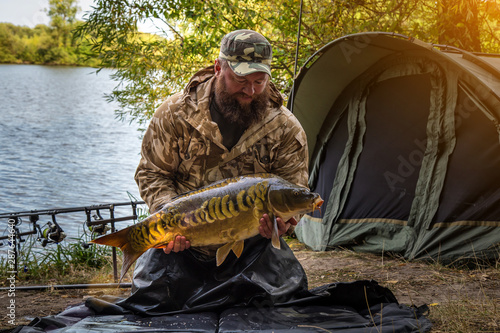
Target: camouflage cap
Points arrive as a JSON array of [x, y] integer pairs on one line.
[[246, 52]]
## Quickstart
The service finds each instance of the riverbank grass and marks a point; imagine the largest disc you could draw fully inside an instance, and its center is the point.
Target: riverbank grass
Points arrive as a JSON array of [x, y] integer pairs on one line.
[[70, 262]]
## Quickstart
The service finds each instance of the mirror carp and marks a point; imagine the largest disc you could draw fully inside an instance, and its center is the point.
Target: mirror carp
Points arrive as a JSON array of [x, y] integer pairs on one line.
[[224, 213]]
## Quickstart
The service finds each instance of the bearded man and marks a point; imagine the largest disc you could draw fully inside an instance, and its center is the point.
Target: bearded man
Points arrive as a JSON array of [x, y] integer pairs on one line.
[[229, 121]]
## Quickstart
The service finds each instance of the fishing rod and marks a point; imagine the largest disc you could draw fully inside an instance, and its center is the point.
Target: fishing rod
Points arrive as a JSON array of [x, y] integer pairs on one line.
[[297, 46], [72, 286], [68, 210], [52, 232]]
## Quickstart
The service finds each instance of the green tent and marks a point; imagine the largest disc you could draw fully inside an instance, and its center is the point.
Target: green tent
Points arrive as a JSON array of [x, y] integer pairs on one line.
[[404, 142]]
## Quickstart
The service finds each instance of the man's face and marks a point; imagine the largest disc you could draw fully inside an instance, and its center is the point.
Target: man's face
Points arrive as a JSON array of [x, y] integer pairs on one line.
[[243, 88], [241, 99]]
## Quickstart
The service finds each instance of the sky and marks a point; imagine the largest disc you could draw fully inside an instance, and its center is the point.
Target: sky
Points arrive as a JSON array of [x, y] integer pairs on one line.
[[31, 12]]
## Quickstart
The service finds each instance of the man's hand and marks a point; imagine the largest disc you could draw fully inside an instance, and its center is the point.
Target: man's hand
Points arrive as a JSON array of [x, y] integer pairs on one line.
[[266, 225], [179, 244]]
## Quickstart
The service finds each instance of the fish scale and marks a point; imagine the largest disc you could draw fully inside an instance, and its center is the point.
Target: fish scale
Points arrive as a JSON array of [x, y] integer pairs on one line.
[[223, 214]]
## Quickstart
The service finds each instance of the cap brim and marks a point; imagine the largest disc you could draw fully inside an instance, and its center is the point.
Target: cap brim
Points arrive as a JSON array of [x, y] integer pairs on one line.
[[246, 68]]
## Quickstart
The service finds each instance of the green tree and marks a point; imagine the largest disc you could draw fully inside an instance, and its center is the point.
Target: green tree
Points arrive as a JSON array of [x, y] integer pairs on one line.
[[149, 68], [21, 44], [458, 24], [62, 14], [10, 44]]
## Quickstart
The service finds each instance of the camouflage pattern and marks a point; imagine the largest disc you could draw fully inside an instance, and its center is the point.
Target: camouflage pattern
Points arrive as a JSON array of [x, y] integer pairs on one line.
[[247, 52], [182, 149]]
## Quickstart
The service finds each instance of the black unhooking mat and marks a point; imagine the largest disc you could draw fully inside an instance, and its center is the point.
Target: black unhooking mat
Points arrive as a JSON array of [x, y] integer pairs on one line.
[[265, 290]]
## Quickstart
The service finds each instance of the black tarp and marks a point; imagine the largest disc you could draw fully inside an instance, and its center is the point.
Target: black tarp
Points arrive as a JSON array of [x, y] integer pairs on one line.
[[263, 290], [339, 307], [165, 284]]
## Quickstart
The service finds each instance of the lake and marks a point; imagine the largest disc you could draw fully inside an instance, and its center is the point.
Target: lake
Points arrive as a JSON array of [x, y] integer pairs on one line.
[[60, 144]]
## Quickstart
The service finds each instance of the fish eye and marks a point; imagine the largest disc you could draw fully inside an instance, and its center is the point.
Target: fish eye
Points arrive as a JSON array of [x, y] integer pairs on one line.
[[296, 193]]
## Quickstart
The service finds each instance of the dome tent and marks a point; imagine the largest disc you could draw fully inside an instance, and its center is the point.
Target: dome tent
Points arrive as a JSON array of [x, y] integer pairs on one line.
[[404, 142]]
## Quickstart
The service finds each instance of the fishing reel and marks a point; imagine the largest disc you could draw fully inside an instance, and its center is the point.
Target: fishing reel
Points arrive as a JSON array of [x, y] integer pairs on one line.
[[51, 233], [98, 229]]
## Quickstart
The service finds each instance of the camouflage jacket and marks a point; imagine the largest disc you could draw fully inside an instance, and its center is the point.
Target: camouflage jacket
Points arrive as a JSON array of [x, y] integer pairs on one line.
[[182, 148]]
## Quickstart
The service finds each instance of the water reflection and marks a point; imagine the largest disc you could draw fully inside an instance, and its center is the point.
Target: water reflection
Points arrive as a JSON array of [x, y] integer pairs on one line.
[[61, 145]]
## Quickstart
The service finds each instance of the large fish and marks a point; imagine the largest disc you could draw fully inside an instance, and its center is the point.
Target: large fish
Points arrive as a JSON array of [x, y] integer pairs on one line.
[[224, 213]]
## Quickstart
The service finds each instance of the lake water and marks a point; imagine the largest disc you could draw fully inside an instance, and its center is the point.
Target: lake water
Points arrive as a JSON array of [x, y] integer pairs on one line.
[[60, 144]]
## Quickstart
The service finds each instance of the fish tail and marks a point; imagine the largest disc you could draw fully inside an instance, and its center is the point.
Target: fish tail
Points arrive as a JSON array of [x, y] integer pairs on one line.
[[120, 239], [116, 239], [129, 257]]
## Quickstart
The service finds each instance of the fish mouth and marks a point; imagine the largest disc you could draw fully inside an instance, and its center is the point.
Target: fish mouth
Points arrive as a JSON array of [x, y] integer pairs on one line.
[[318, 202]]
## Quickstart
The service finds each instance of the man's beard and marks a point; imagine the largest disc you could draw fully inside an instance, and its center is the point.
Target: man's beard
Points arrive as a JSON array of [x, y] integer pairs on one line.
[[237, 113]]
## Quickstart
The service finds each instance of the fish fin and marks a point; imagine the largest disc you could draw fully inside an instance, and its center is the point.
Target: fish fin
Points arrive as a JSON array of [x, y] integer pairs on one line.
[[275, 238], [119, 239], [116, 239], [222, 252], [238, 247], [129, 257]]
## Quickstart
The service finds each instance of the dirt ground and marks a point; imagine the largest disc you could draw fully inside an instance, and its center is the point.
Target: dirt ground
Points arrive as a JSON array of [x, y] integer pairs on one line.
[[413, 283]]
